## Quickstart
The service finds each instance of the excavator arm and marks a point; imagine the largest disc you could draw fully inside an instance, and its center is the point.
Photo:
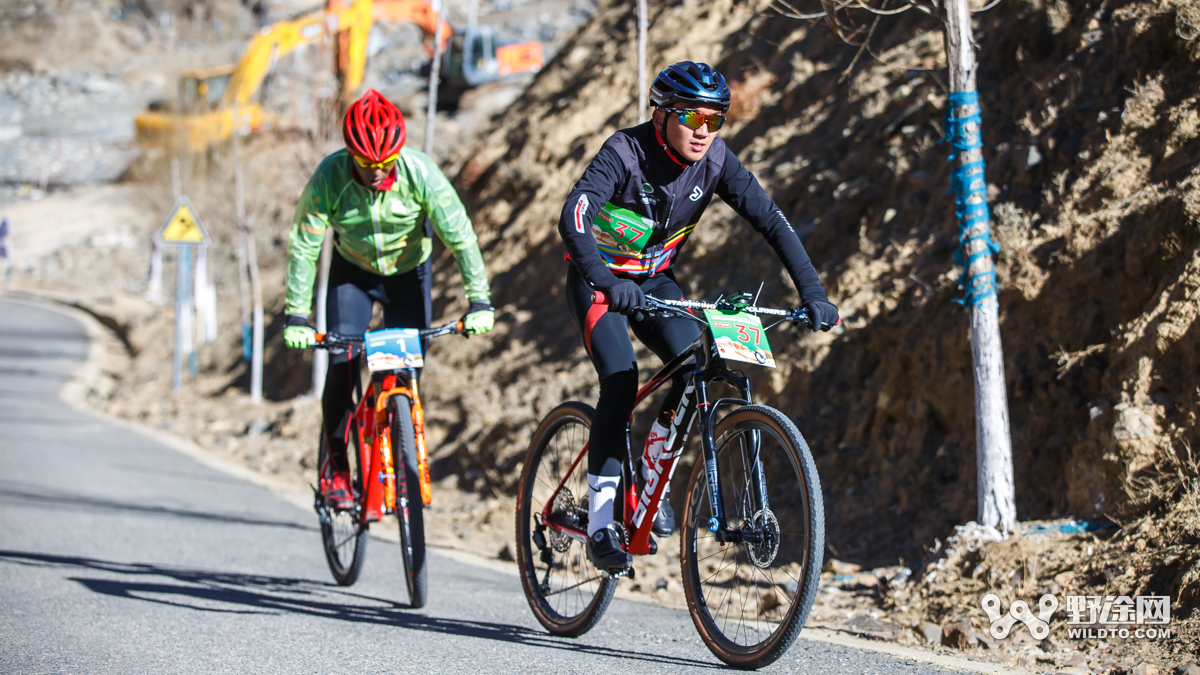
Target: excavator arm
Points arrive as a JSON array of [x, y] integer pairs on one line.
[[416, 11], [237, 107], [347, 21], [279, 39]]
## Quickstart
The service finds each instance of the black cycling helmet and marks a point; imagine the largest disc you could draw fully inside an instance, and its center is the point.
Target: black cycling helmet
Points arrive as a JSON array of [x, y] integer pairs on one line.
[[692, 84]]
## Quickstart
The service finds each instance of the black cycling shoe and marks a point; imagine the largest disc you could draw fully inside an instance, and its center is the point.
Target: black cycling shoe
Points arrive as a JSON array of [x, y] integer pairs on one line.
[[664, 520], [604, 550]]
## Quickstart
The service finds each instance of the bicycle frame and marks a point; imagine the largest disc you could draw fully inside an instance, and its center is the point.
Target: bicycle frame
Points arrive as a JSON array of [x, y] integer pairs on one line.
[[374, 445], [640, 508], [373, 432]]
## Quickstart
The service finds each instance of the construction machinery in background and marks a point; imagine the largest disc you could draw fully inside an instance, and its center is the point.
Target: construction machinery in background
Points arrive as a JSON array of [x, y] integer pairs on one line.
[[476, 56], [214, 102]]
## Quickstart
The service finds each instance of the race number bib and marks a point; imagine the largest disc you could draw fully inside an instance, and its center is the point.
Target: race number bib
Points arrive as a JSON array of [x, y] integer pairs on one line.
[[739, 337], [394, 349], [626, 229]]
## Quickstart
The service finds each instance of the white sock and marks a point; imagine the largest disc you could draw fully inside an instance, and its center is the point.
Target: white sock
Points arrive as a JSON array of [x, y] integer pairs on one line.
[[656, 445], [602, 492]]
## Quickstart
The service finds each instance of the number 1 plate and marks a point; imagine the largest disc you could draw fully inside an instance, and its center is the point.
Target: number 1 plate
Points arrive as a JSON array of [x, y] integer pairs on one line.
[[394, 349], [740, 337]]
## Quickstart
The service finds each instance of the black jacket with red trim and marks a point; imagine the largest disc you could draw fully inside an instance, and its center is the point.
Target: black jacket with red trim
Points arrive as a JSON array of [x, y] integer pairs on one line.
[[635, 171]]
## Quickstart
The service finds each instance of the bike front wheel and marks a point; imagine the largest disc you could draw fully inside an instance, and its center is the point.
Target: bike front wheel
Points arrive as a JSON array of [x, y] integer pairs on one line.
[[567, 594], [409, 506], [750, 598], [343, 533]]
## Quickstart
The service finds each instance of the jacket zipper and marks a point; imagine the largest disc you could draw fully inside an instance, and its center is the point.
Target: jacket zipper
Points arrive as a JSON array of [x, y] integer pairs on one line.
[[666, 227], [378, 233]]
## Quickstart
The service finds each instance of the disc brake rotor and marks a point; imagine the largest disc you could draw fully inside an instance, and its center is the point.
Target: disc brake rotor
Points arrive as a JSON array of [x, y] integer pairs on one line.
[[763, 552]]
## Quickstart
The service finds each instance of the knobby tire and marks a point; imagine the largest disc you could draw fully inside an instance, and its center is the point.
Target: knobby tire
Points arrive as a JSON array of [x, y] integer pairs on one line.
[[751, 618], [344, 536], [565, 608], [408, 491]]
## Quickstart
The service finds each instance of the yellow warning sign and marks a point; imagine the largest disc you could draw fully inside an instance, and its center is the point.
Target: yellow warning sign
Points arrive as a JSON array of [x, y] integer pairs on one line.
[[182, 227]]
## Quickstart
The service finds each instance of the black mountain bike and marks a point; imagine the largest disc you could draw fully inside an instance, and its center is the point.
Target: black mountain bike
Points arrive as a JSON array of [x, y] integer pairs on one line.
[[753, 527]]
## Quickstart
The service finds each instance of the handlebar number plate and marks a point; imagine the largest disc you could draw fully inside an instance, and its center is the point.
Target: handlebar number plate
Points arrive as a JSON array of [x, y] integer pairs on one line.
[[394, 349], [740, 337]]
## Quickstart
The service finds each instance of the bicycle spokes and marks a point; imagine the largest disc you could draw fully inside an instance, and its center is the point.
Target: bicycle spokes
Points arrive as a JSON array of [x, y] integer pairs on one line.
[[748, 583], [566, 592]]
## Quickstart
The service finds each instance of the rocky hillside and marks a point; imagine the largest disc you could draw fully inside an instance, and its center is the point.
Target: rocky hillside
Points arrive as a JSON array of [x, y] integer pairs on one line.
[[1090, 118]]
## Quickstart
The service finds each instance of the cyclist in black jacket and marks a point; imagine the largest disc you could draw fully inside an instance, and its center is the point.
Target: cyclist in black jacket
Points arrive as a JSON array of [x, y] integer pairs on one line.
[[624, 223]]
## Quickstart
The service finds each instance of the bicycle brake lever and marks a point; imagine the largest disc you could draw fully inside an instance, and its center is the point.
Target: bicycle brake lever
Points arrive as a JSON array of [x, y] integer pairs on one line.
[[800, 315]]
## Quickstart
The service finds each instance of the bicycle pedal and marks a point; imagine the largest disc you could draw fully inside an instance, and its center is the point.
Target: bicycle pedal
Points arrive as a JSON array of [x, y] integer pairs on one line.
[[627, 572]]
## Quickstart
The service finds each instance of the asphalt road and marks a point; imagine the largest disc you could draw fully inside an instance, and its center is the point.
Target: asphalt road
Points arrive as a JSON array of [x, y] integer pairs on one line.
[[121, 555]]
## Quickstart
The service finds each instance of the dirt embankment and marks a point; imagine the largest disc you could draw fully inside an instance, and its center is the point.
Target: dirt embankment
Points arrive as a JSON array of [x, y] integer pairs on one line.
[[1091, 139]]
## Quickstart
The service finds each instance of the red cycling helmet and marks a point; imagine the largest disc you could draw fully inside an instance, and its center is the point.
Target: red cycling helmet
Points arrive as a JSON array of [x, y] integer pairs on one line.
[[374, 127]]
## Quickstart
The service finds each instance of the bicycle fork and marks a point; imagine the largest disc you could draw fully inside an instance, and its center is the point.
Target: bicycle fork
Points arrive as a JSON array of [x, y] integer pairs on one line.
[[717, 524]]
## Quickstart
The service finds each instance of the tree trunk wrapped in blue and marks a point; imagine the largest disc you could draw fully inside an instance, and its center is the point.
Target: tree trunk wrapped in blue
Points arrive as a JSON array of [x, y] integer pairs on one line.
[[970, 198]]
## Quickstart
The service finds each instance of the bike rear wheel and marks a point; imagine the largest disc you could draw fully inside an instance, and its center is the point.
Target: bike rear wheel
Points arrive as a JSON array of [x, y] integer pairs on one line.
[[749, 600], [409, 506], [567, 594], [342, 532]]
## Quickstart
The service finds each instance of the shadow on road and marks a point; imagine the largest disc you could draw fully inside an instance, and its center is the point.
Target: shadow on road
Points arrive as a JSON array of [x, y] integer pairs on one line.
[[233, 593], [13, 496]]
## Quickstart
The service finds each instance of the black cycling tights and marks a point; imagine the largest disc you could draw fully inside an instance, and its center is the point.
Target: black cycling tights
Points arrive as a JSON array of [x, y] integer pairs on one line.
[[352, 295], [612, 355]]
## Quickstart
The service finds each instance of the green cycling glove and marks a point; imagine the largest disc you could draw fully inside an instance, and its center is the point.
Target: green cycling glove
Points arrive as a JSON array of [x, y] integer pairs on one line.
[[480, 318], [299, 337]]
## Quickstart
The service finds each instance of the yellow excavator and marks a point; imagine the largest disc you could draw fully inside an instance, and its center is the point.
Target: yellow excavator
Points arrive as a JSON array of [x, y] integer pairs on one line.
[[216, 101]]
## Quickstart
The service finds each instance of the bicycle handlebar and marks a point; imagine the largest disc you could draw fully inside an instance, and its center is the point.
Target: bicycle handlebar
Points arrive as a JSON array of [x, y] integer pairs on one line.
[[338, 341], [799, 315]]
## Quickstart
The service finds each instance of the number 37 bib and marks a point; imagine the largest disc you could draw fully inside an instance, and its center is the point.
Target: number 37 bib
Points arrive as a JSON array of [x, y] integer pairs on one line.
[[622, 229]]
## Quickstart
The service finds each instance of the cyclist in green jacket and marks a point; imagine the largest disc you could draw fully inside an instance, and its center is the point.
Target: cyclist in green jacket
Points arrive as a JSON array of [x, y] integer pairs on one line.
[[375, 195]]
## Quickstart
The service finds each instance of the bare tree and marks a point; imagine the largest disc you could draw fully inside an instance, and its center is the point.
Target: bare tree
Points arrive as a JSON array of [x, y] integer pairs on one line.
[[642, 27], [246, 231], [993, 443], [434, 73]]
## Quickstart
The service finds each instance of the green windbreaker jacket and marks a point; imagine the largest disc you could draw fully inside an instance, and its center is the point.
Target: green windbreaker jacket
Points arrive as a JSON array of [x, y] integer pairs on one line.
[[380, 231]]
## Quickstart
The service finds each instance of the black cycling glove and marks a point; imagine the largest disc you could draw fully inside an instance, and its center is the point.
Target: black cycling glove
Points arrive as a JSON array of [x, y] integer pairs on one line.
[[625, 298], [824, 314]]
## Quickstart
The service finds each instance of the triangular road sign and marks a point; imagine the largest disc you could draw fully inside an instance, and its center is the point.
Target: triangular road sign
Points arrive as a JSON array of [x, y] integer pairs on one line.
[[182, 227]]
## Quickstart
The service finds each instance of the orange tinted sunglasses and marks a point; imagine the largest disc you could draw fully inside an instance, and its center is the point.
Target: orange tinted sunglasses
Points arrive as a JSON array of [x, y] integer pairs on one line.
[[694, 120], [368, 164]]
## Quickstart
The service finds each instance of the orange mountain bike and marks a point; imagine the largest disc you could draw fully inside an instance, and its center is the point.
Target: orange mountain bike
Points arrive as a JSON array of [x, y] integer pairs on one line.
[[753, 529], [389, 466]]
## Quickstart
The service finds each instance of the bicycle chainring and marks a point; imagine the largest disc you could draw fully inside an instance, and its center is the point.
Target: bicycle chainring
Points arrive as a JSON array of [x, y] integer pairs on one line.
[[762, 553]]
